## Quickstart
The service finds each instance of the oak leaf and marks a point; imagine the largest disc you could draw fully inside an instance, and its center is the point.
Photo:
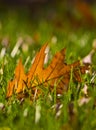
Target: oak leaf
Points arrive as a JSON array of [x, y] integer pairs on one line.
[[17, 84], [38, 75]]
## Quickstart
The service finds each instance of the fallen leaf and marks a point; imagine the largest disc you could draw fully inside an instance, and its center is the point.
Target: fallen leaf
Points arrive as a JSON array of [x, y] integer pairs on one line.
[[56, 72], [17, 84], [85, 9]]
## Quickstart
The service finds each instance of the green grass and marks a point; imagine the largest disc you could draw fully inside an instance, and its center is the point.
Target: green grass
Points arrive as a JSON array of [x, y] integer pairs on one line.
[[17, 115]]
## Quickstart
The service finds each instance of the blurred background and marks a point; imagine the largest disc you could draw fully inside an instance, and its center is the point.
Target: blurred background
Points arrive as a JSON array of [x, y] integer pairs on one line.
[[67, 23]]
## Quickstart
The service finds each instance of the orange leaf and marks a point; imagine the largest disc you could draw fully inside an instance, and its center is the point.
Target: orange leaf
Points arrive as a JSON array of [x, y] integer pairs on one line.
[[17, 84], [85, 9], [39, 75]]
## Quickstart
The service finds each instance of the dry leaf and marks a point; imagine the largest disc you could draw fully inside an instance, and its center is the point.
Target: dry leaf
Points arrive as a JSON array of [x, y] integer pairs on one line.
[[85, 9], [17, 85], [57, 72]]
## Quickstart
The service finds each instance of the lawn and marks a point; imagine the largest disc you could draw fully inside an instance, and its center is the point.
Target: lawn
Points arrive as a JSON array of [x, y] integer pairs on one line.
[[22, 34]]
